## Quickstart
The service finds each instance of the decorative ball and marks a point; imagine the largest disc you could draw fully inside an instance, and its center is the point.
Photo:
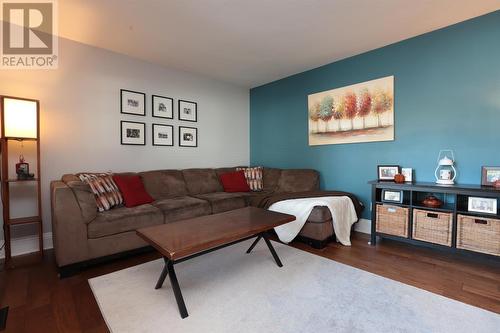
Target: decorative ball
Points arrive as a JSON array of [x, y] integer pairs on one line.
[[399, 178]]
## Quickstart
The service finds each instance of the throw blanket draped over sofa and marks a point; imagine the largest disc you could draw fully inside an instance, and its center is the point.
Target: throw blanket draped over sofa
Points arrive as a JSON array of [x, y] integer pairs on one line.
[[344, 208], [341, 209]]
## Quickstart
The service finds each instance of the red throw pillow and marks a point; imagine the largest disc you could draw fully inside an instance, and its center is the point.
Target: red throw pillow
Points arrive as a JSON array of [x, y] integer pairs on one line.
[[234, 182], [133, 191]]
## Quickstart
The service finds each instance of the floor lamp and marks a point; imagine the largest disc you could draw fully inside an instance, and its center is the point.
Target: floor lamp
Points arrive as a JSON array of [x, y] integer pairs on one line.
[[19, 120]]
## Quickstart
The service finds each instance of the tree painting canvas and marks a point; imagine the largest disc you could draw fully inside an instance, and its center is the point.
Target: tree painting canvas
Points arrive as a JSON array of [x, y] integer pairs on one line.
[[362, 112]]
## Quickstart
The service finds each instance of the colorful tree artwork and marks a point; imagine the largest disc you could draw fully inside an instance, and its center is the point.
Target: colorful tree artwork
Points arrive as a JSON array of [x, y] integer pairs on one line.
[[362, 112], [351, 107], [326, 110], [364, 105], [314, 114]]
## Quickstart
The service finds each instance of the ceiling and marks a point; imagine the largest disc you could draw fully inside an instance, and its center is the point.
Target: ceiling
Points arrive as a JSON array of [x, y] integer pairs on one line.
[[252, 42]]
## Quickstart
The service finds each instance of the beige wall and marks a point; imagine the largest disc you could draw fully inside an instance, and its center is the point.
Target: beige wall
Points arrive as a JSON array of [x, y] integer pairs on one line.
[[80, 117]]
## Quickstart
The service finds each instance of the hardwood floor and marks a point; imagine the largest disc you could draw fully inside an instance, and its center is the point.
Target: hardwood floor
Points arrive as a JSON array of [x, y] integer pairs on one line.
[[40, 302]]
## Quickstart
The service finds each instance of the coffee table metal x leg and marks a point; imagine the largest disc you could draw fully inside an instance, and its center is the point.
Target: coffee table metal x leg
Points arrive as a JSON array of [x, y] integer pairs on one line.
[[169, 269], [269, 246]]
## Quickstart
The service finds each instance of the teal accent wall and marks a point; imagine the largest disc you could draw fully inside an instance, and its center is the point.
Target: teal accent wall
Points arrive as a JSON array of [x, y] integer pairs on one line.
[[447, 95]]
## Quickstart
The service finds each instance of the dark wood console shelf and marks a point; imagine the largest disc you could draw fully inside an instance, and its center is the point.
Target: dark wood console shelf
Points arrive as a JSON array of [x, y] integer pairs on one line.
[[455, 198]]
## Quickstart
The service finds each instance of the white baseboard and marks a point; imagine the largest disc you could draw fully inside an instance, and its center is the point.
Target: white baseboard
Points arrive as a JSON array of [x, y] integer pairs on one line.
[[364, 226], [25, 245]]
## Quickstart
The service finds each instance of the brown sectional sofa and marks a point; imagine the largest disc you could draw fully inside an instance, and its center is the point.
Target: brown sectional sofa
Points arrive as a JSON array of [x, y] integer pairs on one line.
[[83, 236]]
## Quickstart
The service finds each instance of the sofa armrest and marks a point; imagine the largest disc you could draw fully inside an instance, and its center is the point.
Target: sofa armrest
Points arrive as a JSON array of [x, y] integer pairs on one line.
[[69, 228]]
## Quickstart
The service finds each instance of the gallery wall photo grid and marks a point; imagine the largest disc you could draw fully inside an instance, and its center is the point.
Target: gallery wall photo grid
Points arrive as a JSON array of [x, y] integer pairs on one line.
[[132, 102], [188, 136], [132, 133], [163, 135], [162, 107], [187, 110]]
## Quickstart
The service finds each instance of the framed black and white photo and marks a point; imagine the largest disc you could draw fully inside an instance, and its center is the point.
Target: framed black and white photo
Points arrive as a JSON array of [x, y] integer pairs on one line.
[[188, 111], [133, 133], [163, 135], [482, 205], [392, 196], [188, 136], [387, 172], [132, 102], [163, 107]]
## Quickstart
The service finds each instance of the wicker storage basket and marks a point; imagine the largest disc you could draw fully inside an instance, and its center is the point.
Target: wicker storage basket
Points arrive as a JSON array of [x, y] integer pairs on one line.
[[432, 227], [392, 220], [478, 234]]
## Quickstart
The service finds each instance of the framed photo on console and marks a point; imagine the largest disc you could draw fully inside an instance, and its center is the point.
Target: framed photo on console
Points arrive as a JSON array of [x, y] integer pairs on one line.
[[133, 133], [490, 175], [132, 102], [188, 136], [387, 172], [163, 135], [163, 107], [482, 205], [188, 111], [392, 196]]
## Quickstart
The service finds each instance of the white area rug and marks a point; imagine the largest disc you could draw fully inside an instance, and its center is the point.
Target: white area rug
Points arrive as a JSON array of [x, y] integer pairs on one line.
[[230, 291]]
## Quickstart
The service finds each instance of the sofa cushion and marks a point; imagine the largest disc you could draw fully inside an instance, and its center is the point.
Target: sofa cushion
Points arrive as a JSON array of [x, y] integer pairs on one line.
[[320, 214], [106, 192], [298, 180], [164, 183], [123, 219], [253, 176], [201, 181], [270, 178], [234, 182], [223, 201], [133, 191], [181, 208]]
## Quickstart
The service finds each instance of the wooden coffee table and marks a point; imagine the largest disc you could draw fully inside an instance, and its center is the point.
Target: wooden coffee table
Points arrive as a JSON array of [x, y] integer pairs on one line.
[[182, 240]]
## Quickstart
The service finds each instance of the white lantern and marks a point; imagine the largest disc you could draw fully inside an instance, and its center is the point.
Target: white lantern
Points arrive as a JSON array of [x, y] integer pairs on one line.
[[445, 172]]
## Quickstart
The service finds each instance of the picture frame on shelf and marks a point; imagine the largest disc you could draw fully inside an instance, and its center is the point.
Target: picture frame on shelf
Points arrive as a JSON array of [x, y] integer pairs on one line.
[[188, 136], [387, 172], [187, 111], [408, 173], [163, 135], [132, 102], [490, 175], [162, 107], [483, 205], [132, 133], [392, 196]]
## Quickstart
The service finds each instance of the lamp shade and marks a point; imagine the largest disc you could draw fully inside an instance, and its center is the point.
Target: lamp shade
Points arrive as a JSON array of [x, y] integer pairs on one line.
[[20, 118]]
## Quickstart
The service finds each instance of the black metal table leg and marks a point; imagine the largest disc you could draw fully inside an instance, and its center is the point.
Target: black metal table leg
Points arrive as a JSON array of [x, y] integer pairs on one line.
[[273, 252], [176, 289], [254, 243], [162, 276]]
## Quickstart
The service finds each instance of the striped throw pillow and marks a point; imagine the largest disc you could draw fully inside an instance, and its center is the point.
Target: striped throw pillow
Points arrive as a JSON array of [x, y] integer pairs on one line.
[[253, 177], [106, 193]]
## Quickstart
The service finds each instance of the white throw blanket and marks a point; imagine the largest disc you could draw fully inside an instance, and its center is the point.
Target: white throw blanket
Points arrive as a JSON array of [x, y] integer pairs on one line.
[[342, 210]]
